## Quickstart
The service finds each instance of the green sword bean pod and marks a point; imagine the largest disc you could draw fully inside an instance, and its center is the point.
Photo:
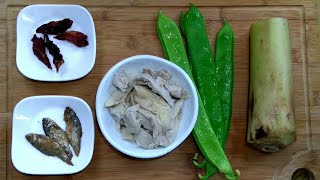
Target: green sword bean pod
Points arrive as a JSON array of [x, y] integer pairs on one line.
[[203, 133]]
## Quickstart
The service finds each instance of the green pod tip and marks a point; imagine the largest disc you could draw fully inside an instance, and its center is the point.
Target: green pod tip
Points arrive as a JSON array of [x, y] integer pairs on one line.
[[160, 13], [233, 176], [227, 26], [195, 10]]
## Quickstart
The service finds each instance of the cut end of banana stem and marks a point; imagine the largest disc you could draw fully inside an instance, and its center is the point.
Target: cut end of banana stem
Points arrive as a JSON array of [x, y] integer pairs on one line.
[[272, 144]]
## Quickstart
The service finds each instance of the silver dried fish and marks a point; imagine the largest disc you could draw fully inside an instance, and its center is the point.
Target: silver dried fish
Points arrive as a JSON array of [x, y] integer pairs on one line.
[[55, 132], [48, 146], [73, 130]]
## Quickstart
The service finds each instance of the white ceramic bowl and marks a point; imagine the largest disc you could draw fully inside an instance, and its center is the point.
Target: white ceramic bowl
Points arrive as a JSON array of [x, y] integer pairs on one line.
[[27, 118], [108, 125]]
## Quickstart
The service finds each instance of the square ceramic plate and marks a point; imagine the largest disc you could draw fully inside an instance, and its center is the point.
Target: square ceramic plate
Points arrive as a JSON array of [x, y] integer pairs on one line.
[[78, 62], [27, 118]]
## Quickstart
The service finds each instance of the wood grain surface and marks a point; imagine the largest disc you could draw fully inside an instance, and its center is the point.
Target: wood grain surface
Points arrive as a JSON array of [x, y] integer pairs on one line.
[[126, 28]]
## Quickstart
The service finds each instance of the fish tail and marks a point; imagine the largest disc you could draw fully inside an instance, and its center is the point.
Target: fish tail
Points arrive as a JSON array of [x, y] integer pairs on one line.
[[77, 152], [68, 161]]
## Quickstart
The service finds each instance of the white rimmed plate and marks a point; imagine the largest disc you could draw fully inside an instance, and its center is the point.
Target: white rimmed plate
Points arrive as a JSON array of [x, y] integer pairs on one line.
[[27, 118], [78, 62]]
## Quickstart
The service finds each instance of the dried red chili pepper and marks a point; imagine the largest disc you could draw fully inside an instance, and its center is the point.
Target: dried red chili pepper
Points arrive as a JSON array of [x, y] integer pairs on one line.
[[39, 50], [55, 27], [77, 38], [55, 52]]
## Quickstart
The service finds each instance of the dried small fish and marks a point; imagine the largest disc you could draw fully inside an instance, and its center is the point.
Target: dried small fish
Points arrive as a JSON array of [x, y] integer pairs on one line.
[[48, 146], [55, 27], [55, 52], [73, 130], [39, 49], [77, 38], [55, 132]]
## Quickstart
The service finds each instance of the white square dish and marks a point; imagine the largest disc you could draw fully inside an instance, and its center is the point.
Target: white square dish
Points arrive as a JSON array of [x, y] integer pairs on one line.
[[78, 62], [27, 118]]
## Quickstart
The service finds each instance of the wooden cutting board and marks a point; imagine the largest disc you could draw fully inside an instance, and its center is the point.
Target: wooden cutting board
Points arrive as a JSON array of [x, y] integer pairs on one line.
[[126, 28]]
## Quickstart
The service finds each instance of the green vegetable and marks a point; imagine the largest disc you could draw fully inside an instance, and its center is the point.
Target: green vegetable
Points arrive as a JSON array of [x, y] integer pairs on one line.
[[212, 85], [204, 135], [225, 75], [172, 43], [199, 165], [224, 70], [271, 117], [201, 60]]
